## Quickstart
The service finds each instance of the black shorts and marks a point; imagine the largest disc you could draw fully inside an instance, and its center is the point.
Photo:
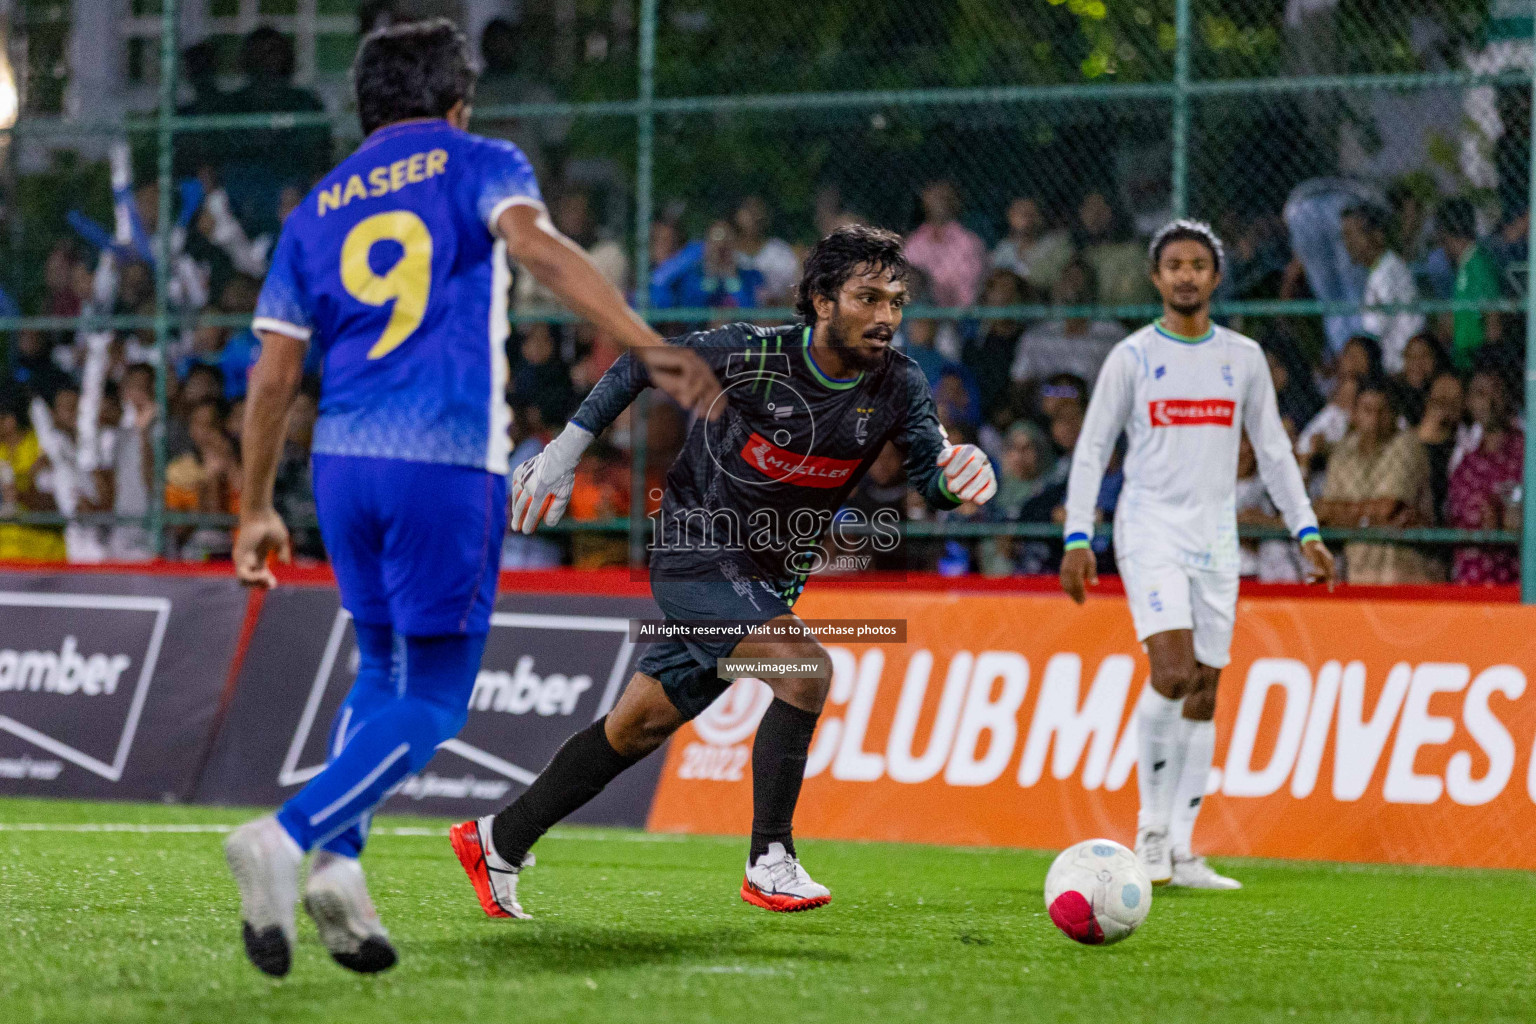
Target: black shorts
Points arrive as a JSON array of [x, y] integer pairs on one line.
[[726, 592]]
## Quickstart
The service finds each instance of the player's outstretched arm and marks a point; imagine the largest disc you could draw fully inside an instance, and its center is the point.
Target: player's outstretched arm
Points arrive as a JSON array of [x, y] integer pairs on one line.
[[274, 382], [561, 266], [541, 486], [946, 475]]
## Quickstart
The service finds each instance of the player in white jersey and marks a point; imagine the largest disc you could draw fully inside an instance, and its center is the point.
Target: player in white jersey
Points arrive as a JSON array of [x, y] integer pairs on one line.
[[1183, 390]]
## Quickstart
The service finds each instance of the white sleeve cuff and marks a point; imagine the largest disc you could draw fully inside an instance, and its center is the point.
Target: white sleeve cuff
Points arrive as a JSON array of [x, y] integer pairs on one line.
[[266, 323], [506, 204]]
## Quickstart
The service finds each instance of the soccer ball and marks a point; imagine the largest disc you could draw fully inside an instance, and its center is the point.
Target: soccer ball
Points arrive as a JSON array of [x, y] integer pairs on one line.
[[1097, 893]]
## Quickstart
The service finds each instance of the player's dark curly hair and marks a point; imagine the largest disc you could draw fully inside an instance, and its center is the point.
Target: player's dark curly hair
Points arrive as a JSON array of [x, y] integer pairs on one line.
[[416, 69], [842, 254]]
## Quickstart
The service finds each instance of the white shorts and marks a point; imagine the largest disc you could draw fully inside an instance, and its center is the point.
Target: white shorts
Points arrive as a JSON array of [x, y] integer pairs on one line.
[[1165, 596]]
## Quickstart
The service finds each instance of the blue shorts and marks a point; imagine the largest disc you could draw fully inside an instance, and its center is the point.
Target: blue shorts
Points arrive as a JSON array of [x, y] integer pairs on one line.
[[415, 545]]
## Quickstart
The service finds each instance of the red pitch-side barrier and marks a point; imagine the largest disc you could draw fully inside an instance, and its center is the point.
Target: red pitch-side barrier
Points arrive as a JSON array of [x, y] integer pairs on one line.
[[625, 583]]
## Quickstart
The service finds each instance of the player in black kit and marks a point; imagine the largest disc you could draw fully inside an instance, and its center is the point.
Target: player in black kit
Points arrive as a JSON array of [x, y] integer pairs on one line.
[[805, 409]]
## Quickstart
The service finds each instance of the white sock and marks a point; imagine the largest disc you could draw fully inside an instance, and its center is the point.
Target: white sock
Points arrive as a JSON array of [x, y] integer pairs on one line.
[[1199, 743], [488, 847], [1157, 727], [289, 844]]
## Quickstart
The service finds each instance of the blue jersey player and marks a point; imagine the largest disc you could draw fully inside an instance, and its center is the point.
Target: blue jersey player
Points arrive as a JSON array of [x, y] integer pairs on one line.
[[395, 267]]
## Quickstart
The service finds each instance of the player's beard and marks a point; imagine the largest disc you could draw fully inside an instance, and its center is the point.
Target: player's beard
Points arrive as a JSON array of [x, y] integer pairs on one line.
[[1189, 308], [855, 357]]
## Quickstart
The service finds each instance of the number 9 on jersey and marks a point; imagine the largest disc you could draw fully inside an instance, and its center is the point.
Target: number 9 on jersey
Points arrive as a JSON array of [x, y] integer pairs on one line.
[[408, 283]]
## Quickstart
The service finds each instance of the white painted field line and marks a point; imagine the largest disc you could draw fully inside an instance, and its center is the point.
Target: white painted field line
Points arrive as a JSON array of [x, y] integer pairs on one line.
[[171, 828], [48, 826], [728, 969]]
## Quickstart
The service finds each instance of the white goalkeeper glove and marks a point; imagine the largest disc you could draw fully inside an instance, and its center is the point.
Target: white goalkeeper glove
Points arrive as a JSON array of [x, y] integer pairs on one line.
[[541, 486], [968, 473]]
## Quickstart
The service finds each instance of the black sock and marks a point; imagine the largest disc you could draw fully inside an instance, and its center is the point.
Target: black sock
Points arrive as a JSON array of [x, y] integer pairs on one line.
[[578, 772], [778, 768]]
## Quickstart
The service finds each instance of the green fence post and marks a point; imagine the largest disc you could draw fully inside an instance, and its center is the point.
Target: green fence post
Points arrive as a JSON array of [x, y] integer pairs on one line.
[[164, 143], [1528, 505], [645, 141], [1181, 109]]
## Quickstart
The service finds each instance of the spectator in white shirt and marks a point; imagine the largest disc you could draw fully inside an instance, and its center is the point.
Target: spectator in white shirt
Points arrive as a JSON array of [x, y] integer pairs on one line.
[[1359, 361], [1075, 345], [79, 449], [1328, 427], [1270, 561], [133, 465], [1364, 230], [1030, 250], [771, 257]]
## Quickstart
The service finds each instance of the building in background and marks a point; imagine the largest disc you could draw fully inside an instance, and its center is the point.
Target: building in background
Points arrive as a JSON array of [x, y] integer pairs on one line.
[[99, 59]]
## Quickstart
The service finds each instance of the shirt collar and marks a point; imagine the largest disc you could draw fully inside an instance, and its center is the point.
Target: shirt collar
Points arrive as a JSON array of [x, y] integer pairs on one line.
[[415, 124], [835, 383], [1184, 339]]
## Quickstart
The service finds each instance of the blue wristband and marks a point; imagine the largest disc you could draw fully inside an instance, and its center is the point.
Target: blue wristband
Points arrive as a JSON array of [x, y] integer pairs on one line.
[[1076, 541], [1308, 533]]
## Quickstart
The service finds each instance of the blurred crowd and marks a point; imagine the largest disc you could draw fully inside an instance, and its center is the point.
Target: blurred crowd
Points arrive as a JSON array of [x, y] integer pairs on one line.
[[1400, 420]]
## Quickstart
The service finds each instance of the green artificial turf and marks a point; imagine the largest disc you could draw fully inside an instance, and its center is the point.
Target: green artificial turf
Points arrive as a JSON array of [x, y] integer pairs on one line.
[[118, 927]]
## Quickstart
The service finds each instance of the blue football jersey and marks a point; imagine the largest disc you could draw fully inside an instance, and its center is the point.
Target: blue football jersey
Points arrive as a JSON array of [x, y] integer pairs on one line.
[[392, 268]]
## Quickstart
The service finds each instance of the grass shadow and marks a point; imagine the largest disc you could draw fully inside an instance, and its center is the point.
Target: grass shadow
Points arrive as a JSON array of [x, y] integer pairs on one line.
[[581, 949]]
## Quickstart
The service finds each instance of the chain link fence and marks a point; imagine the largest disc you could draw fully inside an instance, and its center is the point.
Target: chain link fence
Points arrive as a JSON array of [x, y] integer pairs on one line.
[[1367, 161]]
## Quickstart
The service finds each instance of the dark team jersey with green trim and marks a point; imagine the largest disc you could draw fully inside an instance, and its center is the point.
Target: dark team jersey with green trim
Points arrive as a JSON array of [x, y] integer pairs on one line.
[[763, 481]]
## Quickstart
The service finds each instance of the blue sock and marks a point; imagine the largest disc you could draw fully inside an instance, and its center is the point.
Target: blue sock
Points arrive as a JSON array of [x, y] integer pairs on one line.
[[432, 680], [372, 690]]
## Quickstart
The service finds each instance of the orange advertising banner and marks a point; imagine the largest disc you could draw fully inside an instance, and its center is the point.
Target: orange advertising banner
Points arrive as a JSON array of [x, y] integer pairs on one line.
[[1347, 730]]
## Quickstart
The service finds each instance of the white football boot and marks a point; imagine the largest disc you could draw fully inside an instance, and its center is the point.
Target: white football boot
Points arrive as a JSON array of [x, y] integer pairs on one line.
[[1153, 855], [1191, 872], [494, 878], [265, 862], [336, 896], [777, 882]]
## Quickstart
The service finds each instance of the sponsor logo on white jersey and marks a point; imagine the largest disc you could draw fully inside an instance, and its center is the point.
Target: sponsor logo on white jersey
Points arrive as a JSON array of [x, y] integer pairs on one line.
[[1192, 412]]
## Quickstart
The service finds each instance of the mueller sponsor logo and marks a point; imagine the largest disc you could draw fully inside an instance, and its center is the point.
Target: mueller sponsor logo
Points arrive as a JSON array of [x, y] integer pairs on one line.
[[1192, 412], [65, 671], [802, 470]]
